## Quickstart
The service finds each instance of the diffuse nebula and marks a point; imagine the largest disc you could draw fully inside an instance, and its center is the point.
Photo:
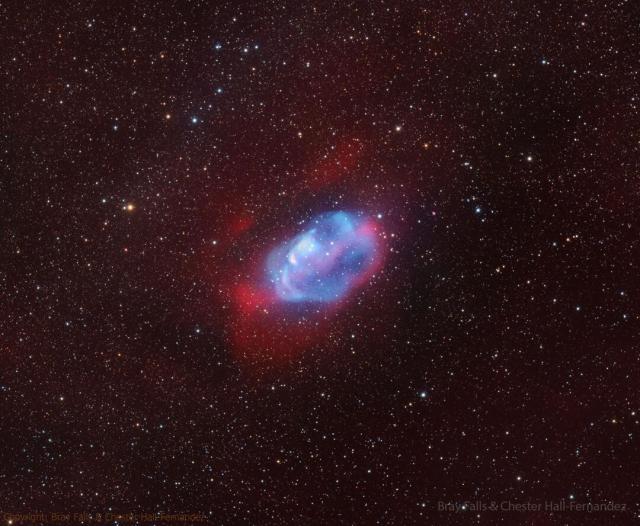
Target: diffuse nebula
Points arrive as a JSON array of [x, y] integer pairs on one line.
[[290, 302], [324, 262]]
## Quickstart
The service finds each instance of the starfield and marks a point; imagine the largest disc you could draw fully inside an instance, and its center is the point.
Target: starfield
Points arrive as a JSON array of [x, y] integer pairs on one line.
[[322, 263]]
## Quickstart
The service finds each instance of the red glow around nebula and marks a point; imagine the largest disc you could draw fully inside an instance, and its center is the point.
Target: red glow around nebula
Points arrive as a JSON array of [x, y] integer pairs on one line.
[[268, 332]]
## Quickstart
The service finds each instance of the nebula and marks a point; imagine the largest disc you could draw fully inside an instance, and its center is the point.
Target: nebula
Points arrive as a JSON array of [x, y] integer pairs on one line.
[[336, 253], [294, 294]]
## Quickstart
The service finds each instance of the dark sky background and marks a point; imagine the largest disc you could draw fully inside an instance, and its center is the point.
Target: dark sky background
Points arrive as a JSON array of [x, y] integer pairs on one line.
[[152, 153]]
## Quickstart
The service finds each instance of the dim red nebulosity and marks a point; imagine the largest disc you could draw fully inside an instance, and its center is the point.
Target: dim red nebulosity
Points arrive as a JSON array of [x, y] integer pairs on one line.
[[264, 330]]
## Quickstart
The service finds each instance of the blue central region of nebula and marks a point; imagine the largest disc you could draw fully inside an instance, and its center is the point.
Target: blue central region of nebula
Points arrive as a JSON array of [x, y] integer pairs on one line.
[[323, 263]]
